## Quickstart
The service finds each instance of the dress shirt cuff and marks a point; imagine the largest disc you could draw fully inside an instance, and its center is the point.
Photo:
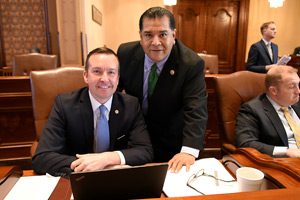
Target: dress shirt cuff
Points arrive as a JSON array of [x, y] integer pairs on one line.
[[123, 162], [279, 151], [189, 150]]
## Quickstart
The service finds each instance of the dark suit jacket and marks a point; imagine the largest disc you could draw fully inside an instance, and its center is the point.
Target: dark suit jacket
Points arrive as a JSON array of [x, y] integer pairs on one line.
[[259, 126], [177, 110], [70, 131], [259, 57], [296, 51]]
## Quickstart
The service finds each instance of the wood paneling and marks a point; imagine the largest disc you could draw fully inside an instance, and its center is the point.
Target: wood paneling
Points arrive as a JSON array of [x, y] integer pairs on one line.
[[215, 27], [17, 131]]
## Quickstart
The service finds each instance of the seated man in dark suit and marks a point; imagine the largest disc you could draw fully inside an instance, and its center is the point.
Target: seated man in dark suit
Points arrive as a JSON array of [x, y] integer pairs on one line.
[[92, 128], [270, 122], [263, 55], [296, 51]]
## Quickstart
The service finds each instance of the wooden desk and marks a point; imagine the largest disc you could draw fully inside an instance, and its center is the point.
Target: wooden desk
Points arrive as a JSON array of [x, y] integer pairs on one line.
[[281, 173]]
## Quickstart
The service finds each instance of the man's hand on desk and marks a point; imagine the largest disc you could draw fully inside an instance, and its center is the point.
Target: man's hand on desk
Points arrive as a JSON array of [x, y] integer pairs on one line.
[[292, 153], [179, 160], [95, 161]]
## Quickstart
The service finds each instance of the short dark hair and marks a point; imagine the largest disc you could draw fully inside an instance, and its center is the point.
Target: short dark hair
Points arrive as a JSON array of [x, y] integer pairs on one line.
[[157, 12], [100, 50], [265, 26]]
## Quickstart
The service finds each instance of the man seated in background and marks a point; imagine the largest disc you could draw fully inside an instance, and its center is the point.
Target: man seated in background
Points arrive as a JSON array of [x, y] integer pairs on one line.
[[263, 55], [94, 127], [296, 51], [270, 122]]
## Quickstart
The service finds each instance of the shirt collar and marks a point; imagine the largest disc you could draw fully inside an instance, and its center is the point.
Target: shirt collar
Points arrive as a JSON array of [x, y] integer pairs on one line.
[[96, 104], [266, 43], [160, 64], [276, 105]]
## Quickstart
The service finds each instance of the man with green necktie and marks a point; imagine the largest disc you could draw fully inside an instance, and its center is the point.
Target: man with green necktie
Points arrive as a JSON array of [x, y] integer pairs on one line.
[[168, 79]]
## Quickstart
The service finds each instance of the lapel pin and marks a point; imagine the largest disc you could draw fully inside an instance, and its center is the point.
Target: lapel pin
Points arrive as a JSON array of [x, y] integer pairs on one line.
[[172, 72], [117, 111]]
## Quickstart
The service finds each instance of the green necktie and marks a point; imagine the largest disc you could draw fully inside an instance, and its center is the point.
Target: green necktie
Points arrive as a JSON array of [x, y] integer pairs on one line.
[[292, 123], [152, 80]]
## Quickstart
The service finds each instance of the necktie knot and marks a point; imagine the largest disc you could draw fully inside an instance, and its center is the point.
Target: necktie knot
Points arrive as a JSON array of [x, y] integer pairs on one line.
[[284, 109], [154, 67], [102, 110]]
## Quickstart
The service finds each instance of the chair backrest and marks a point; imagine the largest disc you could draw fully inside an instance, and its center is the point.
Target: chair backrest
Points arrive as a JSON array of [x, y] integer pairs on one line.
[[231, 92], [25, 63], [211, 63], [45, 85]]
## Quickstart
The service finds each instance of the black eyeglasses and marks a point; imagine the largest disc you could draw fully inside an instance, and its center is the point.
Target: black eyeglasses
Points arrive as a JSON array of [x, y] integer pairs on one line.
[[202, 173]]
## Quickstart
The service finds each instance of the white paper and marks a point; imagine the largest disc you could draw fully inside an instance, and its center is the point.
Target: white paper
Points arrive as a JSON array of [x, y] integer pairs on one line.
[[284, 60], [33, 188], [176, 184]]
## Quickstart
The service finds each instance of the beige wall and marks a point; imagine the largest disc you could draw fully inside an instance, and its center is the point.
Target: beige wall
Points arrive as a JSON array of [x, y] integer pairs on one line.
[[93, 33], [123, 20], [120, 20], [286, 20]]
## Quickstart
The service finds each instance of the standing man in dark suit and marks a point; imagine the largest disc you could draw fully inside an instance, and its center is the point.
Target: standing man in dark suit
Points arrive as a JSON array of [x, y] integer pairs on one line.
[[175, 109], [70, 139], [262, 123], [263, 55]]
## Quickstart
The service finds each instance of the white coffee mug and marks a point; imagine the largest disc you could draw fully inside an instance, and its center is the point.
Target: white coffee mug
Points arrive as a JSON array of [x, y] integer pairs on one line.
[[249, 179]]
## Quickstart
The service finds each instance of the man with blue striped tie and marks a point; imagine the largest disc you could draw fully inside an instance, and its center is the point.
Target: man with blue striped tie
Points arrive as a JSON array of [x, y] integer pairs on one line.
[[94, 127]]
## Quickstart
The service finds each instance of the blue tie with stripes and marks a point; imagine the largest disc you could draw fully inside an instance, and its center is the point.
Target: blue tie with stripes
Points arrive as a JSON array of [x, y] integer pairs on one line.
[[102, 131]]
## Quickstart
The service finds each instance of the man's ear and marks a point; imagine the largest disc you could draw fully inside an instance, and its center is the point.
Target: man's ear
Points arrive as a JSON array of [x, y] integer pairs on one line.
[[174, 35], [273, 90], [85, 76]]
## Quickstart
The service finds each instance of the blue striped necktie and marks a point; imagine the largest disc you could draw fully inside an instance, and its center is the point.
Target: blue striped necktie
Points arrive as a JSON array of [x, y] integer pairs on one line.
[[102, 131]]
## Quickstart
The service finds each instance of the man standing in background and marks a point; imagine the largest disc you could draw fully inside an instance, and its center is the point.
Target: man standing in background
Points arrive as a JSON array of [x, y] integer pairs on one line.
[[263, 55]]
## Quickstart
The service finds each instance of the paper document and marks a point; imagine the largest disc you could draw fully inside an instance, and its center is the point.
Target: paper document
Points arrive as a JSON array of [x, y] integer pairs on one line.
[[176, 184], [33, 188], [284, 60]]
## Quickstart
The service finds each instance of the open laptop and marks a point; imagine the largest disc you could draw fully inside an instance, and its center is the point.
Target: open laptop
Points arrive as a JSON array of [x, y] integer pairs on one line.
[[136, 182]]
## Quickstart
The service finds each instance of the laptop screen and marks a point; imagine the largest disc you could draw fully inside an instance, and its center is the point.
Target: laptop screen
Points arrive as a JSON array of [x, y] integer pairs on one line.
[[136, 182]]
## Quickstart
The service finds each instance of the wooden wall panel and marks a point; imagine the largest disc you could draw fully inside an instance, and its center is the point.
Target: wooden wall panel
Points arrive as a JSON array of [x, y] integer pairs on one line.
[[17, 131]]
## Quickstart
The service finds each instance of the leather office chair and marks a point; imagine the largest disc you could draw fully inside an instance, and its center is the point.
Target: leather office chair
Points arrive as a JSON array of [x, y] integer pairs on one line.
[[211, 63], [231, 92], [25, 63], [45, 85]]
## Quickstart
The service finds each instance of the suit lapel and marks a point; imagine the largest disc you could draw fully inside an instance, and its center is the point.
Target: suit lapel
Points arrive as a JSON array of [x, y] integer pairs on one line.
[[273, 116], [168, 75], [85, 108], [114, 119], [137, 66], [266, 50], [275, 52]]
